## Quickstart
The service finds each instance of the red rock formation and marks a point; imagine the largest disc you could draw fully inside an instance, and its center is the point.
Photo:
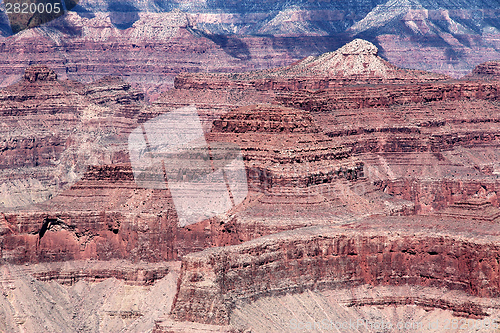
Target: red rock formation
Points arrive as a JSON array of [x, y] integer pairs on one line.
[[384, 96], [283, 147], [45, 123], [266, 119], [338, 161], [96, 271], [216, 280], [489, 70], [150, 53], [125, 223], [39, 73], [286, 154], [68, 142], [354, 63]]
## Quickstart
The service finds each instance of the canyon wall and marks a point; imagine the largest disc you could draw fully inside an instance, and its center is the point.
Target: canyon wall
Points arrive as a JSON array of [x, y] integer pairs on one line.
[[489, 70], [334, 176], [212, 282], [380, 96]]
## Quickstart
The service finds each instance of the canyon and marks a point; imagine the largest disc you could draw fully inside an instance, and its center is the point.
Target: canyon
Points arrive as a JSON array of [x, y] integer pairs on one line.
[[372, 195]]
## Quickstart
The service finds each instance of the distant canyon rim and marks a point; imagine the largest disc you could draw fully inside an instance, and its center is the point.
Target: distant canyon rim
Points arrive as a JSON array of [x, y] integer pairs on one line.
[[149, 43]]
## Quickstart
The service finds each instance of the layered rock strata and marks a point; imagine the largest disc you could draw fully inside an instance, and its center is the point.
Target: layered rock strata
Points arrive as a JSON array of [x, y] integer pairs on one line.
[[343, 167], [51, 130], [385, 96], [355, 63], [369, 309], [489, 70], [106, 296], [216, 280], [284, 147], [71, 272], [68, 190]]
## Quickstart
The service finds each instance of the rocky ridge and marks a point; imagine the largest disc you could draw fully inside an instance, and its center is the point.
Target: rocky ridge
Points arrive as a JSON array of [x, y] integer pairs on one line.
[[355, 63], [95, 38], [329, 258], [489, 70]]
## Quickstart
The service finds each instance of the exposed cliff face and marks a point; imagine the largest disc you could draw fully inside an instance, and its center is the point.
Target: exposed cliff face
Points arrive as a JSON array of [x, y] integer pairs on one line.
[[366, 309], [52, 129], [215, 281], [361, 97], [431, 144], [87, 47], [39, 73], [284, 147], [266, 119], [489, 70], [126, 222], [99, 296], [65, 144], [97, 38]]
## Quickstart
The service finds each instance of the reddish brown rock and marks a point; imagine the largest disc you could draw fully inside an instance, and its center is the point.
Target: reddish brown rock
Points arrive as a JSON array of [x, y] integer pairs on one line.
[[39, 73], [489, 70], [342, 165], [266, 119], [385, 96], [214, 281], [283, 147], [354, 63], [96, 271]]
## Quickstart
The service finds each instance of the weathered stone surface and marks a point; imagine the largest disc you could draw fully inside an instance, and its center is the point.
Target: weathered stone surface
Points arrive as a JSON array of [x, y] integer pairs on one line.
[[367, 309], [383, 185], [488, 71], [385, 96], [53, 129], [214, 281], [170, 326], [39, 73], [266, 119], [94, 300], [354, 63], [64, 146]]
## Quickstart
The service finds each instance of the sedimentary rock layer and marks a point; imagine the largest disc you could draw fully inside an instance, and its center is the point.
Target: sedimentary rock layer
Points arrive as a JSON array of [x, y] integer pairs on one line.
[[212, 282], [489, 70], [369, 309], [106, 296], [384, 96], [355, 63]]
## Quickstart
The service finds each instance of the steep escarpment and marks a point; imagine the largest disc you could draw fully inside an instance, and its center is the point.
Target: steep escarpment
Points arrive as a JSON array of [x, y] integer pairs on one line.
[[150, 51], [99, 39], [103, 216], [277, 140], [383, 96], [215, 281], [266, 119], [98, 296], [427, 148], [399, 131], [68, 190], [349, 186]]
